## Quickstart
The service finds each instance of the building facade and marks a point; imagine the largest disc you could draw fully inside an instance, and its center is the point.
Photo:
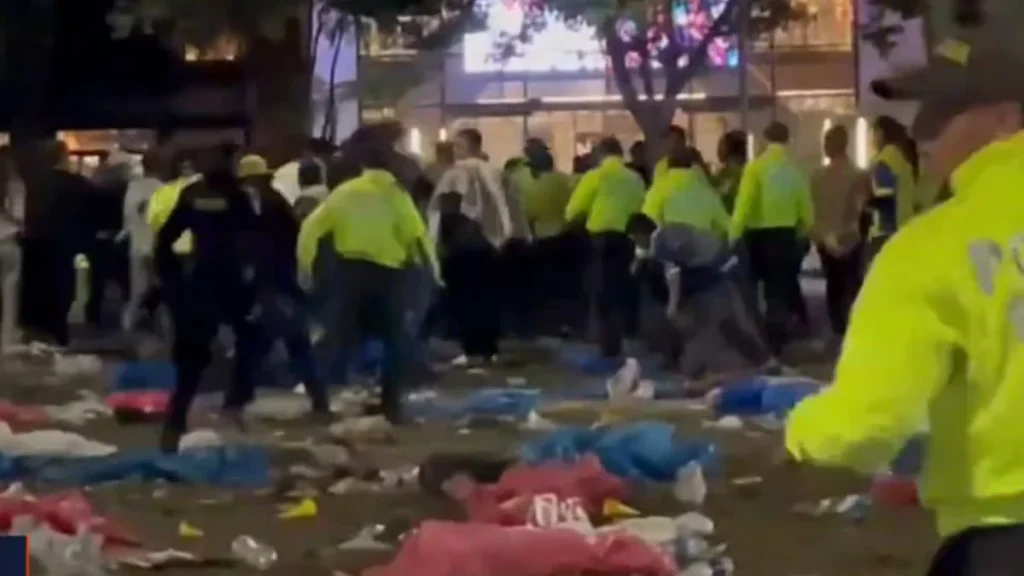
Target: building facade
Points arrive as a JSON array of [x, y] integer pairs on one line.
[[558, 88]]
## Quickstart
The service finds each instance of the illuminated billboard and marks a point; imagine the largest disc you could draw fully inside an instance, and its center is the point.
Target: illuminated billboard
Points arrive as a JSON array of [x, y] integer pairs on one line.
[[333, 50], [558, 46]]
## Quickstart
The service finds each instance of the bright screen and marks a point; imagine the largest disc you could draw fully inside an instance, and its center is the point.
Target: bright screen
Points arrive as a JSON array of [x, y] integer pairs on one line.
[[560, 47]]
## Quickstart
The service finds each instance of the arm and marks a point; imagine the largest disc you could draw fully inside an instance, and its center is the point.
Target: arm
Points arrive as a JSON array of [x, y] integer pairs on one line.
[[312, 229], [897, 354], [805, 206], [719, 215], [414, 232], [745, 201], [672, 277], [654, 202], [582, 198], [177, 221]]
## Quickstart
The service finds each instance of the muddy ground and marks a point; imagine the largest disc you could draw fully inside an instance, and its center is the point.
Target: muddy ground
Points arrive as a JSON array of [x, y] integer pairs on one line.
[[765, 536]]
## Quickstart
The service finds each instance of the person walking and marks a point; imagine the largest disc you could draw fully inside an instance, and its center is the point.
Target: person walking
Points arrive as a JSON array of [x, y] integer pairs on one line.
[[214, 285], [893, 184], [470, 219], [839, 191], [935, 340], [12, 216], [375, 231], [605, 198], [281, 301], [773, 214], [140, 238]]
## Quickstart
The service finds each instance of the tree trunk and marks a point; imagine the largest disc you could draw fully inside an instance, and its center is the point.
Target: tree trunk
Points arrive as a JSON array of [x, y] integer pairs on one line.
[[280, 89], [29, 63]]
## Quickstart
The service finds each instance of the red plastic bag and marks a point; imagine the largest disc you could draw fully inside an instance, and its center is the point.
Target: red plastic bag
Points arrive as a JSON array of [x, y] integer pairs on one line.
[[22, 417], [141, 401], [894, 491], [450, 549], [65, 513], [509, 501]]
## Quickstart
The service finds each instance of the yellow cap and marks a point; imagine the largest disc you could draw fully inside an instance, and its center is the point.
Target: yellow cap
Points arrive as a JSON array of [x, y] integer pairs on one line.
[[252, 165]]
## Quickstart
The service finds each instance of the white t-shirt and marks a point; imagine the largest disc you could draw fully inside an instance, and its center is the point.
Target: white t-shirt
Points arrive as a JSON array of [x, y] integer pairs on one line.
[[136, 202]]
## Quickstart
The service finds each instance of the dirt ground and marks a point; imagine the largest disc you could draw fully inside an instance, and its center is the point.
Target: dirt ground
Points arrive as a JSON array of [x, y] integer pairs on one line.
[[765, 536]]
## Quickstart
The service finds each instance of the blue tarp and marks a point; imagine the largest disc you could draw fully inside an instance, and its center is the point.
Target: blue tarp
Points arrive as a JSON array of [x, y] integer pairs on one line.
[[143, 375], [764, 396], [231, 466], [487, 403], [642, 451]]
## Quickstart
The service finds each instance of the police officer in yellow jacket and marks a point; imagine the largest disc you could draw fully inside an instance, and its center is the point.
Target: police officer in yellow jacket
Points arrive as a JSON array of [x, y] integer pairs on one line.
[[376, 231], [215, 285], [936, 338], [773, 215], [606, 197]]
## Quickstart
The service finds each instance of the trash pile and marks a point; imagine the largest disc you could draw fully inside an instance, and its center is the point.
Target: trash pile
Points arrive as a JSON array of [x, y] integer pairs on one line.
[[562, 509]]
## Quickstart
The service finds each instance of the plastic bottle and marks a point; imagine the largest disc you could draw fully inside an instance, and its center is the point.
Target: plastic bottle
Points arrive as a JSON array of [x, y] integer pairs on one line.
[[253, 553], [625, 381]]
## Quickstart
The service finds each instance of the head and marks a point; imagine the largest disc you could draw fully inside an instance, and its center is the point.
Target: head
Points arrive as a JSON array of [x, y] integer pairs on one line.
[[887, 131], [837, 141], [682, 157], [253, 172], [607, 147], [777, 133], [638, 153], [469, 143], [372, 155], [319, 147], [444, 153], [580, 163], [676, 136], [640, 228], [948, 138], [184, 165], [533, 147], [310, 174], [732, 147], [151, 165]]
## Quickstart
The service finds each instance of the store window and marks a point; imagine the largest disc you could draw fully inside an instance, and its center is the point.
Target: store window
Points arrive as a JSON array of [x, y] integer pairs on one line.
[[225, 48]]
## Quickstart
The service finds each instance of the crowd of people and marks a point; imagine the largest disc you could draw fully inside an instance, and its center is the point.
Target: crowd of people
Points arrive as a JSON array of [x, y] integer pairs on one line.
[[360, 240]]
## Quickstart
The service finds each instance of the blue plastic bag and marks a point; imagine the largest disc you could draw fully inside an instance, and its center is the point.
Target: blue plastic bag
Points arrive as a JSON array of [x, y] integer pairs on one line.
[[642, 451], [760, 396], [230, 466], [487, 403], [144, 375]]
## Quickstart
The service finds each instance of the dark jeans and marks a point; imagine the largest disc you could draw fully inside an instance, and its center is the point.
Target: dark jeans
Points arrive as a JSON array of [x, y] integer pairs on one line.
[[47, 287], [108, 263], [370, 300], [775, 256], [560, 269], [842, 281], [718, 317], [991, 551], [473, 298], [199, 309], [614, 288], [285, 317], [519, 289]]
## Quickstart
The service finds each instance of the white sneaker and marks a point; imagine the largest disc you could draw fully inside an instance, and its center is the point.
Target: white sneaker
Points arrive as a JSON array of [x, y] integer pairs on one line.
[[460, 361]]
